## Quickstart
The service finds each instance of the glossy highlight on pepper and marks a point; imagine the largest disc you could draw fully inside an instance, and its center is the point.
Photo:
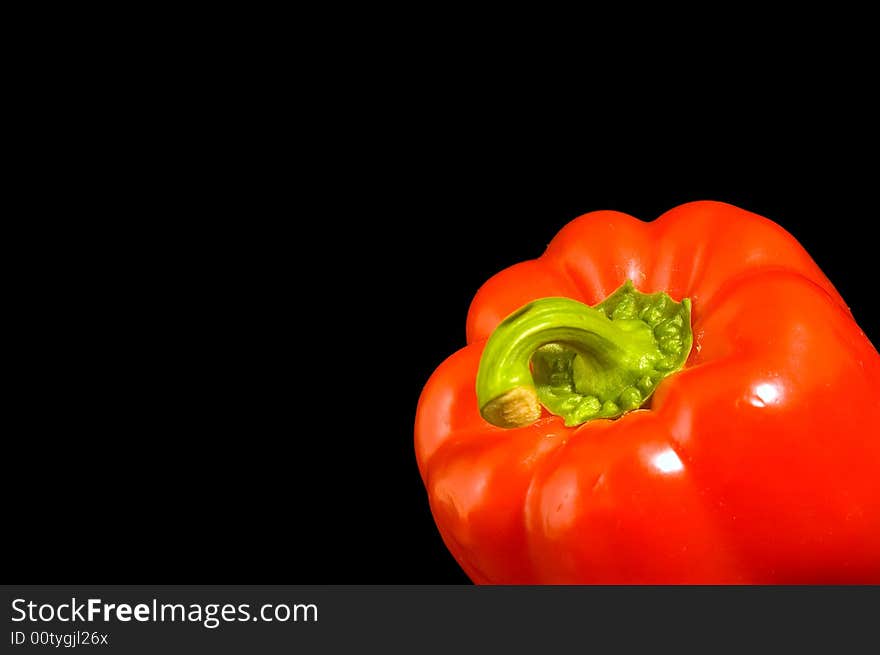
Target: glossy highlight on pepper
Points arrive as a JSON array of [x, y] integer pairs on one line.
[[753, 458]]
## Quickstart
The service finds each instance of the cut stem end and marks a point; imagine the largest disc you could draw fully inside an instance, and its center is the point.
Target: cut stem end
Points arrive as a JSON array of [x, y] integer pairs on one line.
[[514, 409]]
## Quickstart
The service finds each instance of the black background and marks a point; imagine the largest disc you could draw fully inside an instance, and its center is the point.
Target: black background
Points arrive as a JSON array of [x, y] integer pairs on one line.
[[226, 340], [232, 400]]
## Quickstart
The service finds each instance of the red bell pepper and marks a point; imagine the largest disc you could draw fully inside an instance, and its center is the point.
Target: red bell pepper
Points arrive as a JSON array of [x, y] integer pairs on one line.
[[682, 401]]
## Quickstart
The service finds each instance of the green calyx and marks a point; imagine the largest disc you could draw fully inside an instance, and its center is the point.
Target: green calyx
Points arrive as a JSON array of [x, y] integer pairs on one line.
[[582, 362]]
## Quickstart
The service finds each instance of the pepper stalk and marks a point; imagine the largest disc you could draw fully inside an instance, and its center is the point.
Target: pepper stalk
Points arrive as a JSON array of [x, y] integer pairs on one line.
[[580, 362]]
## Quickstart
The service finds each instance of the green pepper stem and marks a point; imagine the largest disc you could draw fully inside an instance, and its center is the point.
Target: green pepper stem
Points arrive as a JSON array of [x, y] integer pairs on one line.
[[581, 362]]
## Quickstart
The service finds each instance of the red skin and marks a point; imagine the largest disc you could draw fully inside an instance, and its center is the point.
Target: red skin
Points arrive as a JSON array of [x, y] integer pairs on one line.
[[758, 463]]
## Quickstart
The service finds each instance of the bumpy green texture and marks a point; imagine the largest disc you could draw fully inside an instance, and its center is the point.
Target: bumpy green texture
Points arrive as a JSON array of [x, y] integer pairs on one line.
[[582, 362]]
